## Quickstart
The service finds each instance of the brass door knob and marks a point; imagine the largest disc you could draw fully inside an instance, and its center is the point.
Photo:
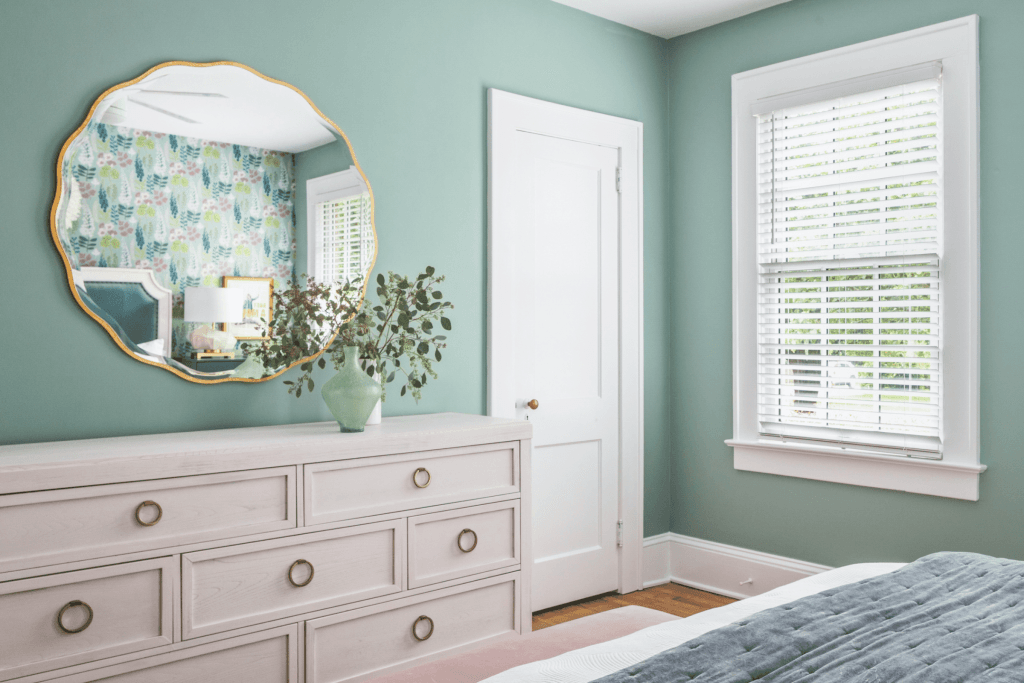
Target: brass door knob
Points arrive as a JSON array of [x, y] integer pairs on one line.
[[532, 404]]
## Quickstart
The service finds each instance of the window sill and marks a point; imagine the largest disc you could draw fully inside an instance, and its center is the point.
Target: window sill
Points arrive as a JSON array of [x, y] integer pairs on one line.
[[842, 466]]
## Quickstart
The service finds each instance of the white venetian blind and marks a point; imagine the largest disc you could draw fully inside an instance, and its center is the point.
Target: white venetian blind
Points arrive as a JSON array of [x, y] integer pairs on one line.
[[849, 245], [347, 237]]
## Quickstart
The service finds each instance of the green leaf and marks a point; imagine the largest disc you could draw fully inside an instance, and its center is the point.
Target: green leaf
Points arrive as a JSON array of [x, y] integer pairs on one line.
[[369, 369], [306, 367], [310, 384], [289, 382], [380, 280], [436, 295], [430, 270], [423, 348], [403, 391], [322, 362], [421, 296], [446, 323], [437, 355], [391, 377], [415, 382], [298, 392]]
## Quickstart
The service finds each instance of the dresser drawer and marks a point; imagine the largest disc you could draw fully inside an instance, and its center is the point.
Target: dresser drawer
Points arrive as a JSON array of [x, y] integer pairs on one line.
[[38, 529], [457, 543], [355, 645], [371, 486], [237, 586], [67, 619], [266, 657]]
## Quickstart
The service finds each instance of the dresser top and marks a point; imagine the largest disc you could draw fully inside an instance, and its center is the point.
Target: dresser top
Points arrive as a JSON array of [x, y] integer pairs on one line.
[[60, 464]]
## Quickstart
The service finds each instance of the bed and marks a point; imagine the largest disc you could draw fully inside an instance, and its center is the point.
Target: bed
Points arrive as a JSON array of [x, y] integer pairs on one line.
[[135, 307], [131, 297], [946, 618]]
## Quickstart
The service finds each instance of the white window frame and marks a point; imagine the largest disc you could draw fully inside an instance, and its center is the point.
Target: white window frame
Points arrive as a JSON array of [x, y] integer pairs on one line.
[[954, 44], [325, 188]]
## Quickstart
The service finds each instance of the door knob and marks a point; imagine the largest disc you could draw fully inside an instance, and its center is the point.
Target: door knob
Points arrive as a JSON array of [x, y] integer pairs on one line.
[[532, 404]]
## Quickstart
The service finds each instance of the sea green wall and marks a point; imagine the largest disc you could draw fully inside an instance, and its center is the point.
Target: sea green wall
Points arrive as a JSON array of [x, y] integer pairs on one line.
[[816, 521], [407, 81]]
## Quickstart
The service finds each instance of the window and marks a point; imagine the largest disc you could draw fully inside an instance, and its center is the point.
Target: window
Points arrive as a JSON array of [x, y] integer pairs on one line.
[[346, 235], [848, 231], [855, 264], [340, 223]]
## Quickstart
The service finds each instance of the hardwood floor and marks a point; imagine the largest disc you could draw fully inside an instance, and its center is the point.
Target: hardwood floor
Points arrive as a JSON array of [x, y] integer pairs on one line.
[[672, 598]]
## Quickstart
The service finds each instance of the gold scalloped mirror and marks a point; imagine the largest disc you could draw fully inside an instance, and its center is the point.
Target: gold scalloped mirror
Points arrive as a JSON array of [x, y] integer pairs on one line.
[[188, 196]]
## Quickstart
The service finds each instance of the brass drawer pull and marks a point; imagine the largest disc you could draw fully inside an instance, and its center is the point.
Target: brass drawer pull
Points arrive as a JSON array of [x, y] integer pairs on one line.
[[417, 623], [145, 504], [65, 608], [459, 541], [415, 478], [291, 569]]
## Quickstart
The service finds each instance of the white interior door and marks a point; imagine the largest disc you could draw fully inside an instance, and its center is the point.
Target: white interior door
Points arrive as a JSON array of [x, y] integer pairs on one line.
[[565, 328], [566, 358]]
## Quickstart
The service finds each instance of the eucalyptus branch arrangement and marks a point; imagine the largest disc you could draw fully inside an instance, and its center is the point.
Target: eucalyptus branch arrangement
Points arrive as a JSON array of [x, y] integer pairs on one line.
[[396, 337], [305, 319]]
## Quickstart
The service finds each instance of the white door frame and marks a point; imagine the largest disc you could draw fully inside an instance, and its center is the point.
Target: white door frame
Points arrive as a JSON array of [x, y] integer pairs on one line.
[[509, 114]]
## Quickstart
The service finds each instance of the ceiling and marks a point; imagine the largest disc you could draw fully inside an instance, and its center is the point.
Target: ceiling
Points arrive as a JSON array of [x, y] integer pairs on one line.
[[219, 103], [670, 18]]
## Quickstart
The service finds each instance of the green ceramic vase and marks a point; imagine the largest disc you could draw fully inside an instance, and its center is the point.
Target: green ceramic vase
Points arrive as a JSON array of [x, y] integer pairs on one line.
[[351, 395]]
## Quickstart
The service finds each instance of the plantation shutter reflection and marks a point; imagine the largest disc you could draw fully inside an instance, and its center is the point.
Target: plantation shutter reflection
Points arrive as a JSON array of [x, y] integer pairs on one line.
[[849, 244], [347, 238]]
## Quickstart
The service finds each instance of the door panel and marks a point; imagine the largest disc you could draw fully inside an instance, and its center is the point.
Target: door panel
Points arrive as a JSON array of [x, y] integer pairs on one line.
[[567, 359]]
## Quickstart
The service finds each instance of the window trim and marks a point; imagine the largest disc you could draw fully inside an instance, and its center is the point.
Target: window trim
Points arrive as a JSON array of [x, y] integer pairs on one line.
[[954, 44]]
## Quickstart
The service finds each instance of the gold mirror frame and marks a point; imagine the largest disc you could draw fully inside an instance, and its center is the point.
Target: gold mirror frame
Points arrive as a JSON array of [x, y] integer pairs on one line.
[[67, 263]]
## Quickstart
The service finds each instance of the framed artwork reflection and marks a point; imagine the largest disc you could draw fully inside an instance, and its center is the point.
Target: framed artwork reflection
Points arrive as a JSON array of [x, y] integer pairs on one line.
[[258, 306]]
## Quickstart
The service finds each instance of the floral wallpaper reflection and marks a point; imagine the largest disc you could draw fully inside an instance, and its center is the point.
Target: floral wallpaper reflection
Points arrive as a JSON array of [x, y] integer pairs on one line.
[[191, 210]]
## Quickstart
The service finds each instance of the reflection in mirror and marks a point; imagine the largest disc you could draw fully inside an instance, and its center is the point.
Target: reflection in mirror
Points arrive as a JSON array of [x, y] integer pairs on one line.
[[199, 178]]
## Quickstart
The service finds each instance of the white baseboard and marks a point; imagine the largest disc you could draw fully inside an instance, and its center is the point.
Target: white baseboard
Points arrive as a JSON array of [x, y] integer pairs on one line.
[[719, 568]]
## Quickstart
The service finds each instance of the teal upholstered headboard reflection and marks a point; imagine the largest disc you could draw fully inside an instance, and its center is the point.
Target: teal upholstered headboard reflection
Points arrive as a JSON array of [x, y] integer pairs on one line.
[[133, 299], [135, 310]]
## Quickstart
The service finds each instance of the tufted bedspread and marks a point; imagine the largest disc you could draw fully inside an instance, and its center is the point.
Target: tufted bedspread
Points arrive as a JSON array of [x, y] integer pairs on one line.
[[946, 618]]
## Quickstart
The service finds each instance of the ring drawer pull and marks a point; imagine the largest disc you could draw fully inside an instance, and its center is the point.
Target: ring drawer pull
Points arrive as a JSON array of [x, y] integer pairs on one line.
[[65, 608], [291, 569], [145, 504], [417, 623], [415, 478], [459, 541]]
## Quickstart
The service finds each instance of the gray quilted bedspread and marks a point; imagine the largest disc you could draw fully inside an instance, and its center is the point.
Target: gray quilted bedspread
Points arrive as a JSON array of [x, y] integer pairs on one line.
[[947, 618]]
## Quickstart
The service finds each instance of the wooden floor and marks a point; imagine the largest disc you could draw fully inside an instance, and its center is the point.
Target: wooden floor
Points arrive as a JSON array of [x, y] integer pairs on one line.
[[674, 599]]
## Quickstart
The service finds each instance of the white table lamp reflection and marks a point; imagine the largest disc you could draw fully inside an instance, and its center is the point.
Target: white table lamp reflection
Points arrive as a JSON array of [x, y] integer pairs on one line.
[[210, 306]]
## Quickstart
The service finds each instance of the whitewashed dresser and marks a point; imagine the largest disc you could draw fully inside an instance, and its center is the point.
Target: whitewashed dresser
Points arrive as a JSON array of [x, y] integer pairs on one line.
[[263, 555]]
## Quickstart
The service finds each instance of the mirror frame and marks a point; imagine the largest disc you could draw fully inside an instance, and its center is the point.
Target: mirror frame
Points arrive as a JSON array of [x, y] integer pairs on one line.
[[67, 263]]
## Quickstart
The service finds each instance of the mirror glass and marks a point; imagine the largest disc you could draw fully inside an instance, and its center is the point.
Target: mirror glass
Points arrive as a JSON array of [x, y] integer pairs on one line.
[[193, 193]]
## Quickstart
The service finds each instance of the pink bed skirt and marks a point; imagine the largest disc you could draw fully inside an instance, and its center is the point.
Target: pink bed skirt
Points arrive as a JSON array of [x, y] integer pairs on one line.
[[486, 661]]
